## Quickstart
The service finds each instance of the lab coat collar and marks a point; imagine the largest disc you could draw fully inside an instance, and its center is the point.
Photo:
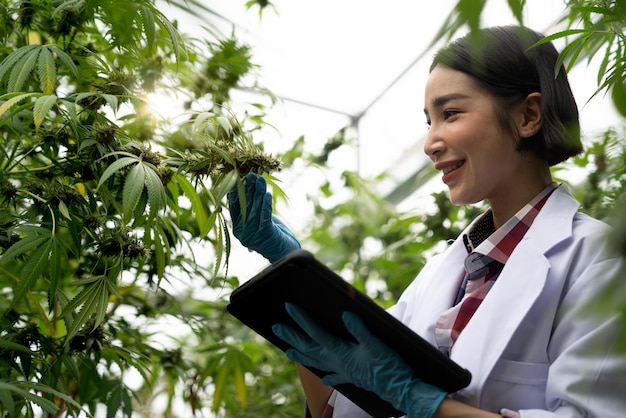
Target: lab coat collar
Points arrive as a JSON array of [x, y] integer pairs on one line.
[[521, 281]]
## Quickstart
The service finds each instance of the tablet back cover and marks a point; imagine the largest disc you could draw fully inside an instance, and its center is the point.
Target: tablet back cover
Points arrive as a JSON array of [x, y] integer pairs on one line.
[[301, 279]]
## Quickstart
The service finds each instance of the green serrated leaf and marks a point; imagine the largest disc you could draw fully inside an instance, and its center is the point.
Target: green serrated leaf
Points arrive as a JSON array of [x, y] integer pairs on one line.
[[72, 113], [122, 355], [149, 26], [89, 298], [112, 289], [82, 296], [465, 12], [470, 12], [10, 345], [517, 8], [33, 269], [22, 70], [86, 280], [82, 96], [45, 404], [139, 216], [13, 101], [159, 252], [115, 167], [225, 155], [133, 187], [67, 399], [15, 57], [618, 94], [29, 242], [200, 119], [171, 30], [114, 401], [218, 241], [561, 34], [173, 193], [111, 100], [197, 206], [57, 253], [46, 71], [102, 302], [575, 54], [224, 122], [128, 403], [65, 58], [42, 106], [239, 380], [71, 365], [156, 191], [224, 185], [7, 402], [220, 384]]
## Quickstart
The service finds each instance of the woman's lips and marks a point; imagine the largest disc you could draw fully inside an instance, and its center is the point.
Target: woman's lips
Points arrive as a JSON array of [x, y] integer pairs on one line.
[[449, 169], [452, 167]]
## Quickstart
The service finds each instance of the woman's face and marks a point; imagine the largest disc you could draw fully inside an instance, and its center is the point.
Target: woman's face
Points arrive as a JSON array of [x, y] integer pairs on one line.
[[466, 142]]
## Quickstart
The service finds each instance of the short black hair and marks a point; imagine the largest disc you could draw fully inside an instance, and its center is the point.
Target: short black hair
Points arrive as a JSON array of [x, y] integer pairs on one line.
[[505, 61]]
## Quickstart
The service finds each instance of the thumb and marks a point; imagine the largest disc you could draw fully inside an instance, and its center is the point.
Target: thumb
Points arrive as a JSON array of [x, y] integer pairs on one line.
[[333, 379]]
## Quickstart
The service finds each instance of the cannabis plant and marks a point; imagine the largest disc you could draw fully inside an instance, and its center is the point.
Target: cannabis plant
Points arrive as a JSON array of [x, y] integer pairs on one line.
[[103, 209]]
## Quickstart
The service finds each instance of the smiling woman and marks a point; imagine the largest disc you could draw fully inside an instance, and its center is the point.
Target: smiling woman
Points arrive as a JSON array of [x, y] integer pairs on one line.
[[468, 142]]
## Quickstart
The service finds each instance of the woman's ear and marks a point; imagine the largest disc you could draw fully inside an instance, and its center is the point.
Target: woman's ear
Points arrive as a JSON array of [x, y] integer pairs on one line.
[[529, 121]]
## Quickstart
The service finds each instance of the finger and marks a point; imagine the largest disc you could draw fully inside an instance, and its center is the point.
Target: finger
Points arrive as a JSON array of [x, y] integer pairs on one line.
[[309, 326], [255, 196], [333, 379], [233, 198], [265, 211], [304, 350], [374, 346], [315, 361], [251, 187], [251, 177], [233, 203], [291, 336], [358, 329]]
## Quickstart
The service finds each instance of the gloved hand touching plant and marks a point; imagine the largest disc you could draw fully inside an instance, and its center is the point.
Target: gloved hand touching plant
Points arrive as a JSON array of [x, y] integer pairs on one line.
[[260, 231]]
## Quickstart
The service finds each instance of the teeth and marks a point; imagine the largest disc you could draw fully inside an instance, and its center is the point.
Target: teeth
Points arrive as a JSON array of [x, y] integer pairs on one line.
[[452, 167]]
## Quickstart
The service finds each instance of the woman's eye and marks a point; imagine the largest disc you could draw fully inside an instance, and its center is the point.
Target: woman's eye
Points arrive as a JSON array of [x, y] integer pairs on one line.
[[449, 113]]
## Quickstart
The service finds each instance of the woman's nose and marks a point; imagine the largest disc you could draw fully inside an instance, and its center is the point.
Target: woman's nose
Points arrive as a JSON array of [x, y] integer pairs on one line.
[[433, 144]]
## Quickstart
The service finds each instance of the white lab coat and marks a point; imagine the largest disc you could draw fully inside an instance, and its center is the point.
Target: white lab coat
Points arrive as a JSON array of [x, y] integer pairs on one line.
[[532, 346]]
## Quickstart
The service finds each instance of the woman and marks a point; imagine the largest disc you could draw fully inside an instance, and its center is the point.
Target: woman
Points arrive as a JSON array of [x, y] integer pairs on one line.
[[512, 299]]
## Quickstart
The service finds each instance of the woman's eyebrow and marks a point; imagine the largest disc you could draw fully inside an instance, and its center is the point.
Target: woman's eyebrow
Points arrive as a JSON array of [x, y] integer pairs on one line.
[[440, 101]]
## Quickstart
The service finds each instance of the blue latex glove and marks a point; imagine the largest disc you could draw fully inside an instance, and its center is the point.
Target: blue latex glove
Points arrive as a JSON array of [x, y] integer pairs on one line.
[[368, 363], [261, 231]]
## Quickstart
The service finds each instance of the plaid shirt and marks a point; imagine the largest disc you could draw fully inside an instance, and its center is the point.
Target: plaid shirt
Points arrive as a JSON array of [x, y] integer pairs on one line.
[[488, 251]]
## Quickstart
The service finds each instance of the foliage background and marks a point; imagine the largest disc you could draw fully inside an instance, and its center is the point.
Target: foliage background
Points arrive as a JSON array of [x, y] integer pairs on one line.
[[114, 240]]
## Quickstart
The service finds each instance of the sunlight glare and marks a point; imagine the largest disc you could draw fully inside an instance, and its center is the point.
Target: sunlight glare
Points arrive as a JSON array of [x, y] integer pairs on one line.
[[165, 105]]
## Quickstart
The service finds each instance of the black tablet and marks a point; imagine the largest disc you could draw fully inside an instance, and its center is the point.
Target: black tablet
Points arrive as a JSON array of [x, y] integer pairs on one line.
[[301, 279]]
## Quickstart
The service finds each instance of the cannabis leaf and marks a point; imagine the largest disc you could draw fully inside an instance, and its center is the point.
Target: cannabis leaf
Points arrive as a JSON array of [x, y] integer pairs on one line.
[[38, 59]]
